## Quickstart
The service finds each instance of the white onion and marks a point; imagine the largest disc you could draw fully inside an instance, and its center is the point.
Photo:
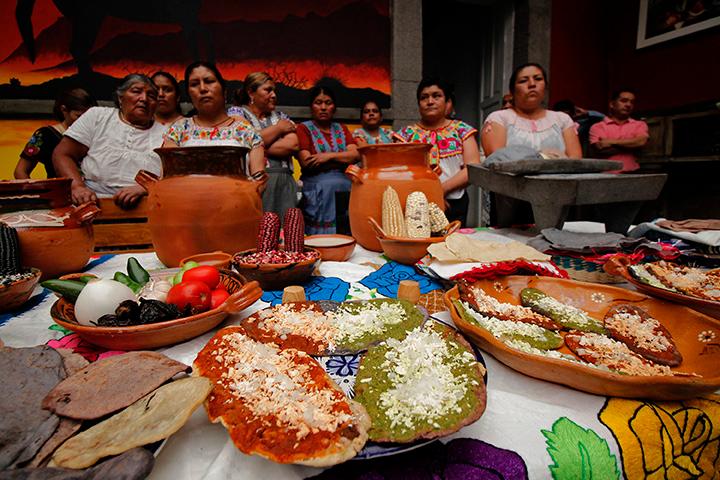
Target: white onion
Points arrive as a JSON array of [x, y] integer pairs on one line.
[[98, 298]]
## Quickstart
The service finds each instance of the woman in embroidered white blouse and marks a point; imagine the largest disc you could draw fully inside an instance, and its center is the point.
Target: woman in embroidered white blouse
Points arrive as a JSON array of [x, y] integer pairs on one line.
[[105, 148], [212, 125]]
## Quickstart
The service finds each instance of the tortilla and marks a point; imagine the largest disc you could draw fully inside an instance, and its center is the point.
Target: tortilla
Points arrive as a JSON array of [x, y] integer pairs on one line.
[[152, 418], [280, 404], [135, 464], [28, 375], [65, 430], [73, 362], [426, 386], [459, 247], [111, 384]]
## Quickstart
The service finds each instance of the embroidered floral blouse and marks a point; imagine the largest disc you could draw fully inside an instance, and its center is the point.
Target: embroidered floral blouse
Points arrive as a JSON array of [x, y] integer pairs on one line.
[[447, 147], [186, 133], [384, 135]]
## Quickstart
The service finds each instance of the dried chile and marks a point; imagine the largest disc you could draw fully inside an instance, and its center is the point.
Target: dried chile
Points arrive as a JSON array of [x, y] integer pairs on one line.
[[107, 320], [128, 313], [153, 311]]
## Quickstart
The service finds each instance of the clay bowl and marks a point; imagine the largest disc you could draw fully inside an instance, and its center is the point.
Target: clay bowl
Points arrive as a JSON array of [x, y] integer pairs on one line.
[[332, 247], [14, 295], [161, 334], [215, 259], [619, 266], [409, 251], [693, 333], [276, 276]]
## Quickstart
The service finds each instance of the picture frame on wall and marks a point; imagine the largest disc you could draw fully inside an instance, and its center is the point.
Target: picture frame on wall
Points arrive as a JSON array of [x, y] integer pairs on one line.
[[663, 20]]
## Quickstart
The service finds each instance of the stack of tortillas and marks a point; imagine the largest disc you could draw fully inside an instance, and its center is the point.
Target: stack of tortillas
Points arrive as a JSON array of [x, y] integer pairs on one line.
[[463, 248]]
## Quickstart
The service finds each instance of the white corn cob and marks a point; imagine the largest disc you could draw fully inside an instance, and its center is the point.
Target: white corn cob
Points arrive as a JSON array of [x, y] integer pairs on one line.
[[393, 222], [438, 220], [417, 215]]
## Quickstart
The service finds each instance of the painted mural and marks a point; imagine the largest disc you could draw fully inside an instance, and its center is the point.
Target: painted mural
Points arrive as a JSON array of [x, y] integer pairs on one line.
[[51, 44]]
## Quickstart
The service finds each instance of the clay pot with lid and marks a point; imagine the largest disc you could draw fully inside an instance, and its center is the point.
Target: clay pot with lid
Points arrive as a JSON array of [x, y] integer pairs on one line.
[[204, 202], [55, 236], [403, 166]]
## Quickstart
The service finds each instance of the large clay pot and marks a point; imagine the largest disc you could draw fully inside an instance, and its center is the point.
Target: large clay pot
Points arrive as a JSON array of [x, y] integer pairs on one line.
[[204, 202], [55, 236], [403, 166]]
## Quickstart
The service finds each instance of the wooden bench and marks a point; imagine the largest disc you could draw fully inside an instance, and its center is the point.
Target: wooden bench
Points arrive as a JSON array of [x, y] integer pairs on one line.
[[122, 231]]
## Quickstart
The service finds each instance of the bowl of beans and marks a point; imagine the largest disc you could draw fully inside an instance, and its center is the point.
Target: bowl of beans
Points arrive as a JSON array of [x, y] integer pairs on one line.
[[276, 269]]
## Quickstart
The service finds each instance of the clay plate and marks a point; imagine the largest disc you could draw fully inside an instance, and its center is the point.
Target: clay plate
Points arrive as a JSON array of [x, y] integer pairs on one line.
[[276, 276], [332, 247], [13, 296], [619, 266], [145, 337], [697, 336], [409, 251], [216, 259]]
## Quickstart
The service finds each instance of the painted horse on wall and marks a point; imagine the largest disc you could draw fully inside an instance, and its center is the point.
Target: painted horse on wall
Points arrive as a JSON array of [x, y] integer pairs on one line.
[[87, 17]]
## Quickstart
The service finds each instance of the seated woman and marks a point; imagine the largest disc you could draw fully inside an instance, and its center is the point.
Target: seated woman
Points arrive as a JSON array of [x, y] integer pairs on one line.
[[256, 104], [104, 149], [526, 126], [212, 125], [168, 100], [326, 149], [453, 144], [69, 105], [527, 122], [371, 132]]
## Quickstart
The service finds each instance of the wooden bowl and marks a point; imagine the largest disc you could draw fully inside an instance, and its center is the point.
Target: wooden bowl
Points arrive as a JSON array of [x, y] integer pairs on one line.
[[14, 295], [409, 251], [161, 334], [276, 276], [619, 266], [332, 247], [697, 337], [215, 259]]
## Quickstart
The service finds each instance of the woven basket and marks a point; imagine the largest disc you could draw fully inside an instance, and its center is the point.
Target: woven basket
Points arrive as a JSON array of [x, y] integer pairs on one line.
[[584, 271]]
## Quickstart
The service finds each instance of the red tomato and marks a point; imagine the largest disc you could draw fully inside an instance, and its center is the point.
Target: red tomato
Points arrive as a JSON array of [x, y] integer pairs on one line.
[[210, 276], [193, 293], [218, 297]]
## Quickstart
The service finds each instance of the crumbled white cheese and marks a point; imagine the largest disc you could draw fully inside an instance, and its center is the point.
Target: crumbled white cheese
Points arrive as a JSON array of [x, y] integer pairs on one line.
[[616, 356], [273, 384], [506, 328], [424, 387], [646, 333], [370, 318]]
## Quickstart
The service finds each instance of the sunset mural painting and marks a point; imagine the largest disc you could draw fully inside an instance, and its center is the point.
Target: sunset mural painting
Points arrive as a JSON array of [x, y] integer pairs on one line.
[[344, 42]]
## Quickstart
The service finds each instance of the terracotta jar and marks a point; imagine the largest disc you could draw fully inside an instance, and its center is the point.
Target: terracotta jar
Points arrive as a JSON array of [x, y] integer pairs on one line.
[[403, 166], [55, 236], [204, 202]]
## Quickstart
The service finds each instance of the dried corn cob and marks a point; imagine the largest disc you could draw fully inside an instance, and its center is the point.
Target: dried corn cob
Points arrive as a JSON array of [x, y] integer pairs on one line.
[[9, 250], [393, 221], [417, 215], [269, 233], [294, 226], [438, 220]]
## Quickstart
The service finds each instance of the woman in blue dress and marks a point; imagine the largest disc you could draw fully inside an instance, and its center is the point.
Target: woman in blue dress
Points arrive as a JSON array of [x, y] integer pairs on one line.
[[326, 149]]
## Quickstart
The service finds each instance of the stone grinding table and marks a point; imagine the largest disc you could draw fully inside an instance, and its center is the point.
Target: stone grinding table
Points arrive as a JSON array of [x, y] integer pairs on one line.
[[619, 197]]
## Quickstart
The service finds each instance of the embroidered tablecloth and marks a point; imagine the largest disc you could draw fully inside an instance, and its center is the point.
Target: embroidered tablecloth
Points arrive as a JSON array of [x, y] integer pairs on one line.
[[531, 428]]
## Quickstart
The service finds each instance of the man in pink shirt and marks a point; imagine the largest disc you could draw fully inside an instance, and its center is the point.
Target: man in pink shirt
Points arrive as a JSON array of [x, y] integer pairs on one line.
[[619, 137]]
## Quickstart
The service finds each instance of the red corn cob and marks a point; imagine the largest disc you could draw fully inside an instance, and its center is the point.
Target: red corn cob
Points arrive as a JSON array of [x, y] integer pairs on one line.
[[294, 226], [269, 233]]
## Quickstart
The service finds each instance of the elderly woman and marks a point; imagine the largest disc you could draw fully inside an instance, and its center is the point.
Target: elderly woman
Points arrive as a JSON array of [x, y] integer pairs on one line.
[[69, 105], [527, 123], [371, 132], [106, 147], [212, 125], [326, 149], [256, 103], [168, 98], [453, 144]]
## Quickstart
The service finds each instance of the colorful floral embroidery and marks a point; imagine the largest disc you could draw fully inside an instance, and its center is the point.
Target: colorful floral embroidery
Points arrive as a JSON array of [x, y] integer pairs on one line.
[[339, 143], [384, 136], [668, 440], [240, 130], [446, 141]]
